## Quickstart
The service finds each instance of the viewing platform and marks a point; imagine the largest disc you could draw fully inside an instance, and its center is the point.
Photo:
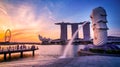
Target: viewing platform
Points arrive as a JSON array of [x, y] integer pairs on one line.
[[17, 49], [68, 23]]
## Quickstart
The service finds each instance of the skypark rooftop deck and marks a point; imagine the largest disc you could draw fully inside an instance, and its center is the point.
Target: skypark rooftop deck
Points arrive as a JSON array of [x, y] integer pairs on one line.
[[68, 23]]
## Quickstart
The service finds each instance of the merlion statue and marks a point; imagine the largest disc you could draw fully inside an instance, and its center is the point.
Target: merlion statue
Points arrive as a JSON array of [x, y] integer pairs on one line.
[[99, 26]]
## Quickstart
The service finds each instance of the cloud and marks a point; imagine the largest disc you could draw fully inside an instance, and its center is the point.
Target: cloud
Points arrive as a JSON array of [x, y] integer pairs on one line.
[[23, 22]]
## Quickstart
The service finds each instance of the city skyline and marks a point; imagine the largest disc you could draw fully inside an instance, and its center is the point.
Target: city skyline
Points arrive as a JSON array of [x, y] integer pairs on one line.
[[29, 18]]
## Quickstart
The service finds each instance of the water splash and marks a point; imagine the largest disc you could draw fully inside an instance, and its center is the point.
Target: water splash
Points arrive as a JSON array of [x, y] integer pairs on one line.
[[70, 42]]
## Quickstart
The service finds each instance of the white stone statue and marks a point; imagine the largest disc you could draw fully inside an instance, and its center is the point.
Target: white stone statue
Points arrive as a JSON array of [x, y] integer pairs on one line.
[[99, 26]]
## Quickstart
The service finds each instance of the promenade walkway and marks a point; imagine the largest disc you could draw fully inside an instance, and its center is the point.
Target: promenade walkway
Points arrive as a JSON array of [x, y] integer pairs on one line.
[[86, 61], [83, 61]]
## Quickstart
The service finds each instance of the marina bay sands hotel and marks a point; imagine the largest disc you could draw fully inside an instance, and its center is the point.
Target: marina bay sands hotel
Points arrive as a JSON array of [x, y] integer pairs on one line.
[[74, 28]]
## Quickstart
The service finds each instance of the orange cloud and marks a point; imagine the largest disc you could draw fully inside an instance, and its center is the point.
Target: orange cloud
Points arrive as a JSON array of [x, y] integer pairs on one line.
[[22, 22]]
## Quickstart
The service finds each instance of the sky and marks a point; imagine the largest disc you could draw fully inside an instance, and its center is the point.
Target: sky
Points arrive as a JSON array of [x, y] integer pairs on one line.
[[29, 18]]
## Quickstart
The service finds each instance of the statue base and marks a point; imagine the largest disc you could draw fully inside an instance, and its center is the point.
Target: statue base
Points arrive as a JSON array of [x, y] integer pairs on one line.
[[103, 47]]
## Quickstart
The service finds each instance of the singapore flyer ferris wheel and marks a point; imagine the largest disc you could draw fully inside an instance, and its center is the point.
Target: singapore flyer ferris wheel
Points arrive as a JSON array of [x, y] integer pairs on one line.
[[7, 35]]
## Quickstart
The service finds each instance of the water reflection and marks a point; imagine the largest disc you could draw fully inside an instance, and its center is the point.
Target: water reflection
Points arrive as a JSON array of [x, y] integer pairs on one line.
[[45, 55]]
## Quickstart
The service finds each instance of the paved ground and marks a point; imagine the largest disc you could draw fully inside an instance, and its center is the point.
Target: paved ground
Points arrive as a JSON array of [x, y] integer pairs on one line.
[[83, 61], [87, 61]]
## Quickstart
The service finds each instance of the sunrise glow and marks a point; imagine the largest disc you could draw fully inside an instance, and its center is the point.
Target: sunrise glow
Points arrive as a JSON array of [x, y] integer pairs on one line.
[[27, 20]]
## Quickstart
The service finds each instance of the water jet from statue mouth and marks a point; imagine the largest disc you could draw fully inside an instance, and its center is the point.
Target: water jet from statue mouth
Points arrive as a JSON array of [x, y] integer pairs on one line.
[[64, 55]]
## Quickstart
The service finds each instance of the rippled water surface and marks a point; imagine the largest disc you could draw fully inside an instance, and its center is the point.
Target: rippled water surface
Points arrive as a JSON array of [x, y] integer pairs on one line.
[[45, 55]]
